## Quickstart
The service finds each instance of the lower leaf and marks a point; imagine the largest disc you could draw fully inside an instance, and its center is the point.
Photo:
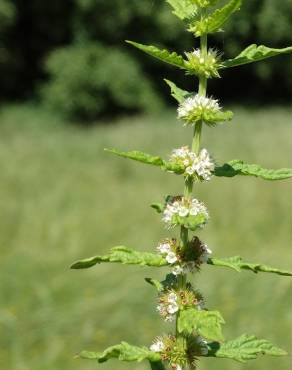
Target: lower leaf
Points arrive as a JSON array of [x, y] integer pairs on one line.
[[122, 352], [236, 263], [244, 348], [125, 256]]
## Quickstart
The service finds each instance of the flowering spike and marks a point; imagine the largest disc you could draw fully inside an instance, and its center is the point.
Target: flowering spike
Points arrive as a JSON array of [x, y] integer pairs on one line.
[[178, 301]]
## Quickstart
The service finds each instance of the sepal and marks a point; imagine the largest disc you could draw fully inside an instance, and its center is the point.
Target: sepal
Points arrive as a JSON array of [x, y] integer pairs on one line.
[[238, 167], [122, 352], [236, 263], [244, 348], [254, 53], [125, 256]]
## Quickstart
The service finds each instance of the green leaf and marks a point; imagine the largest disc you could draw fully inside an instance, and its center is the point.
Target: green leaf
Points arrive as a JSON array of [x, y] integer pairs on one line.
[[254, 53], [148, 159], [166, 56], [159, 207], [123, 352], [238, 167], [177, 93], [183, 9], [125, 256], [216, 20], [244, 348], [167, 284], [205, 323], [236, 263], [139, 156], [157, 284]]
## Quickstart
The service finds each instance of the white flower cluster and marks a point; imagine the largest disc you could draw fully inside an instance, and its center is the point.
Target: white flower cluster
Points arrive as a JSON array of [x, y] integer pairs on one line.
[[167, 250], [204, 64], [171, 252], [195, 107], [168, 306], [201, 165], [182, 207]]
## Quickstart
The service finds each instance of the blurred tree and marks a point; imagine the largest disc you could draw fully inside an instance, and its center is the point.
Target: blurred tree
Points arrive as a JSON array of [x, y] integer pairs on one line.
[[61, 48]]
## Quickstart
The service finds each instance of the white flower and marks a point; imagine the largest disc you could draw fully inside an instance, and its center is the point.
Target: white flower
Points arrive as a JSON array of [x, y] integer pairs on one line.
[[202, 164], [177, 366], [183, 211], [157, 346], [164, 248], [177, 270], [172, 308], [205, 255], [172, 298], [171, 257]]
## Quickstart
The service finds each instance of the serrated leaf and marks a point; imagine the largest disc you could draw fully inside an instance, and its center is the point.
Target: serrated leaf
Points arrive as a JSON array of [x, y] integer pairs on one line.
[[236, 263], [254, 53], [244, 348], [216, 20], [148, 159], [122, 352], [125, 256], [166, 56], [205, 323], [139, 156], [177, 93], [238, 167], [183, 9]]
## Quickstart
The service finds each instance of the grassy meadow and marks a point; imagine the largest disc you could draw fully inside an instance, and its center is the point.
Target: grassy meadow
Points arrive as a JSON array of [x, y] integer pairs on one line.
[[64, 198]]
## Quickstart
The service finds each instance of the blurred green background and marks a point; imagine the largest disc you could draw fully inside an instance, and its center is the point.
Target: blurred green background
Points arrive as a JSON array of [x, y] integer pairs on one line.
[[63, 67]]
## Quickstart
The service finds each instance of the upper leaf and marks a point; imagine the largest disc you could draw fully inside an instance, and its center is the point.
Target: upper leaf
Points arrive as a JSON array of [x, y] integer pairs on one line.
[[183, 9], [139, 156], [125, 256], [236, 263], [177, 93], [246, 347], [205, 323], [123, 352], [148, 159], [254, 53], [238, 167], [168, 57], [216, 20]]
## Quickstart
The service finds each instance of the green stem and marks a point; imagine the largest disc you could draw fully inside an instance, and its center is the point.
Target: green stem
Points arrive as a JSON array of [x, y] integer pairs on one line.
[[188, 188]]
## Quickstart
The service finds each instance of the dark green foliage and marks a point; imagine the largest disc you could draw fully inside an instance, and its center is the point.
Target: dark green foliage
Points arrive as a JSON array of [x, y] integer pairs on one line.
[[31, 31], [87, 80]]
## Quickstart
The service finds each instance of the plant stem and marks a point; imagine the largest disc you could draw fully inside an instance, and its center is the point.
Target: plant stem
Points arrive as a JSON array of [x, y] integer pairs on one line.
[[188, 188]]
